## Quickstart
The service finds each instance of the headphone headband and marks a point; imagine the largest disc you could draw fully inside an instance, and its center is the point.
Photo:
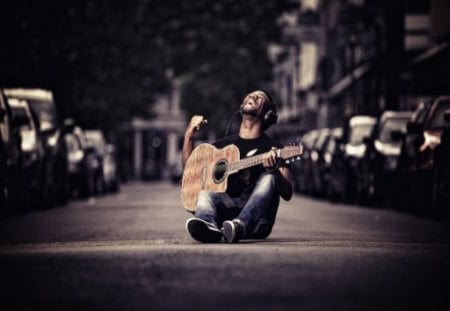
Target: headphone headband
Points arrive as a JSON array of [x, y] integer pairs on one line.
[[271, 116]]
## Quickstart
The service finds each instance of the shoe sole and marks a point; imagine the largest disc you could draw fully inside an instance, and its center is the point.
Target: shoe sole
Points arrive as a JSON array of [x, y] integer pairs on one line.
[[229, 232], [200, 231]]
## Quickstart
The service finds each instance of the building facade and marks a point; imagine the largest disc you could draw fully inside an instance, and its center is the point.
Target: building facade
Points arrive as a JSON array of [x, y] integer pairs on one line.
[[342, 58]]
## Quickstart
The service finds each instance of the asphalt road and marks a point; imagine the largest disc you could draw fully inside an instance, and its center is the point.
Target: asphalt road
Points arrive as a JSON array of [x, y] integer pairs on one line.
[[130, 251]]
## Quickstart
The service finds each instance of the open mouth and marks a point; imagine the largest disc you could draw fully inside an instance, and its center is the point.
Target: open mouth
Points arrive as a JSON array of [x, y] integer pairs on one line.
[[250, 102]]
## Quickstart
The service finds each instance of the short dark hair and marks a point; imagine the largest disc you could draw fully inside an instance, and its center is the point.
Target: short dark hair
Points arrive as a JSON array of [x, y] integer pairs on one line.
[[272, 105]]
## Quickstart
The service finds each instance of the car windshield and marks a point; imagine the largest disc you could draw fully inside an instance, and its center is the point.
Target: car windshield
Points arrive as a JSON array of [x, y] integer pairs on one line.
[[321, 140], [437, 121], [96, 140], [309, 139], [390, 125], [359, 131], [331, 146], [332, 142], [21, 113], [45, 113], [72, 143]]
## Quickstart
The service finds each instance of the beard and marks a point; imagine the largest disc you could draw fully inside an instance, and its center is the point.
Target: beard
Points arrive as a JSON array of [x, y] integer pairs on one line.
[[249, 112]]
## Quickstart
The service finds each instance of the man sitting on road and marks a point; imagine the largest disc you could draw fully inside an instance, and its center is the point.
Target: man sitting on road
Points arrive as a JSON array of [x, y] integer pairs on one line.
[[248, 208]]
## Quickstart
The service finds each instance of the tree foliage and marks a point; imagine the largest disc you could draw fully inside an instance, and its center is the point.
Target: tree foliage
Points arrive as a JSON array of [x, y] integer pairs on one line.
[[106, 60]]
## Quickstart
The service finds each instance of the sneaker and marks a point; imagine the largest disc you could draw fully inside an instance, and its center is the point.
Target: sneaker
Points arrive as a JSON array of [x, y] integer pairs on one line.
[[232, 230], [203, 231]]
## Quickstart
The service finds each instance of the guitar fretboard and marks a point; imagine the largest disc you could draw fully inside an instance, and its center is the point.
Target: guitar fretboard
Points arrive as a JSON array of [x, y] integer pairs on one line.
[[285, 153], [245, 163]]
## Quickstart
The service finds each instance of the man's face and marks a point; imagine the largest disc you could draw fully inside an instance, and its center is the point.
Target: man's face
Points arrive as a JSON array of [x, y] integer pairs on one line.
[[253, 104]]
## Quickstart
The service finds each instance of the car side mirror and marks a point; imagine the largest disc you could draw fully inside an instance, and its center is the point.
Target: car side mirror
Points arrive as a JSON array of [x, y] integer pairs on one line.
[[413, 128], [397, 135]]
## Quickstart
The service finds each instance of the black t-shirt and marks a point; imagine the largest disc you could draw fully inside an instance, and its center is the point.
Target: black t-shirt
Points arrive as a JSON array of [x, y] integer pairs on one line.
[[243, 182]]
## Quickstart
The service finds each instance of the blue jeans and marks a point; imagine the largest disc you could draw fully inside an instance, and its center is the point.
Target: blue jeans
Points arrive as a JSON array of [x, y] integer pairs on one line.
[[257, 214]]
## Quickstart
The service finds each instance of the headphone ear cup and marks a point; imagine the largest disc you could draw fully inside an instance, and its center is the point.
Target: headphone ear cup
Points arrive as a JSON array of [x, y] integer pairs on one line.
[[270, 118]]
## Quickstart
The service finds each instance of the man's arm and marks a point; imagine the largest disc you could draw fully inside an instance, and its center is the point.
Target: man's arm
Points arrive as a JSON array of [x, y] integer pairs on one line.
[[188, 143], [286, 182]]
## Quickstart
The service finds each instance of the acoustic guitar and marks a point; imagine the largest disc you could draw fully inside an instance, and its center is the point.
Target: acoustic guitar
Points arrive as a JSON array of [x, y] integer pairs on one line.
[[208, 168]]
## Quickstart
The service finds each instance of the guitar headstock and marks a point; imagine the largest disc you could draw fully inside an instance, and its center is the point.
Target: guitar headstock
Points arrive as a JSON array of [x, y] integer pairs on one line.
[[291, 152]]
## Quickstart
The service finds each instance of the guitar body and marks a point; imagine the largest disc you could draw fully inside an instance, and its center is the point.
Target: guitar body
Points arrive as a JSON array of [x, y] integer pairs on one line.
[[206, 169]]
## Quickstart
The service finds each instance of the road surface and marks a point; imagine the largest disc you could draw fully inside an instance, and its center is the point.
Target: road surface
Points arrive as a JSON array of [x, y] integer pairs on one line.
[[130, 251]]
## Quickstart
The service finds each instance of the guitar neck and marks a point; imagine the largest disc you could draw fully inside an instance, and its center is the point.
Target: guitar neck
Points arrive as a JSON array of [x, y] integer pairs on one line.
[[245, 163], [285, 153]]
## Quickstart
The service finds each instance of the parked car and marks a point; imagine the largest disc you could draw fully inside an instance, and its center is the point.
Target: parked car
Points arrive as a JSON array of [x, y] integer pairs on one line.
[[379, 164], [318, 167], [334, 165], [111, 168], [107, 178], [359, 127], [96, 140], [416, 163], [9, 158], [441, 174], [302, 169], [55, 185], [31, 168], [83, 164]]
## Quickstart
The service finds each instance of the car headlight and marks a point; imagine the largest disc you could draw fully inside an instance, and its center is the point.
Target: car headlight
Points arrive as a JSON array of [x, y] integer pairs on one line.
[[75, 157], [328, 158], [52, 140], [29, 141]]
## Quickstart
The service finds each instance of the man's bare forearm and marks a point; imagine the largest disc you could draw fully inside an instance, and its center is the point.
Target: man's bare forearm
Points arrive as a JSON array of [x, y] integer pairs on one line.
[[286, 188], [194, 126], [188, 146]]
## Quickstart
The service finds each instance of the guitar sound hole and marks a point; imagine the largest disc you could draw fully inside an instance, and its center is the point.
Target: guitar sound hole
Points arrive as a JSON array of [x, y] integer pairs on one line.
[[220, 171]]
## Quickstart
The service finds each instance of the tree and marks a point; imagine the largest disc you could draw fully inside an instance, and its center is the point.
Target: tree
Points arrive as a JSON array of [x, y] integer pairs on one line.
[[106, 60]]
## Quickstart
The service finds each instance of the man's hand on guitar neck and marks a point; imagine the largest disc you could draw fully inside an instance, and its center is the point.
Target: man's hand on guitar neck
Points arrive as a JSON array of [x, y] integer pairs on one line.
[[271, 162], [270, 159]]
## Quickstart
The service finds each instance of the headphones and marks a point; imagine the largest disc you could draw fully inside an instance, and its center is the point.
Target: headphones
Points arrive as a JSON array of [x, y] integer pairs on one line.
[[271, 116]]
